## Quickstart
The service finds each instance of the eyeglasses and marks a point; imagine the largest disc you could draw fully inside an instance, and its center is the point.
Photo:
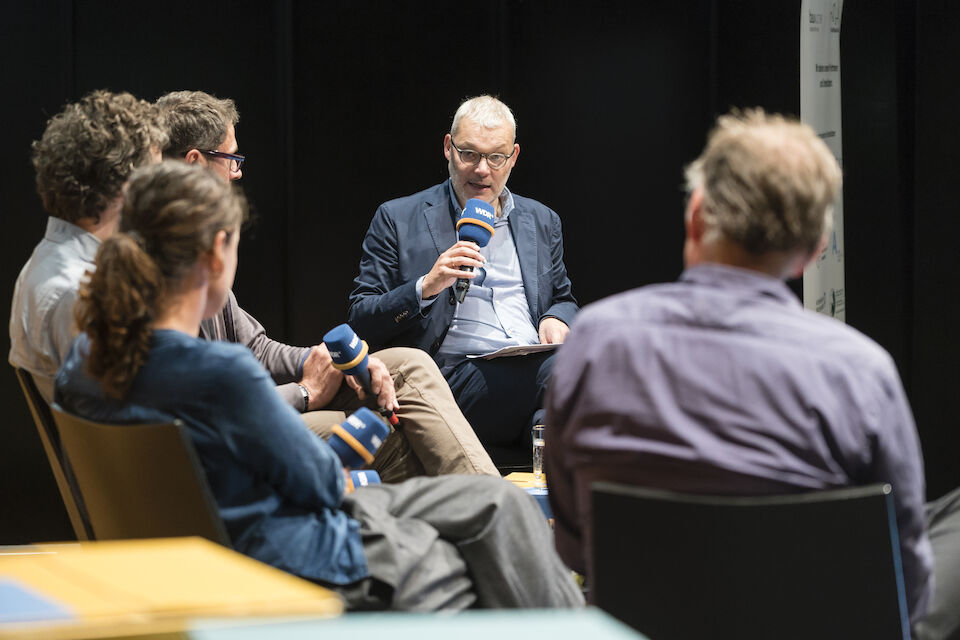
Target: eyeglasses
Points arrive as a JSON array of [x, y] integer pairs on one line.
[[236, 160], [469, 156]]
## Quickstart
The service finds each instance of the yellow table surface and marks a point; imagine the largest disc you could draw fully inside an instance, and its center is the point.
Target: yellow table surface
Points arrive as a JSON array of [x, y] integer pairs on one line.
[[525, 479], [161, 583]]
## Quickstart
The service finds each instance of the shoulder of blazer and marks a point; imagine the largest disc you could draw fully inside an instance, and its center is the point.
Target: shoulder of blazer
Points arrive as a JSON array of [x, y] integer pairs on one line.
[[419, 201], [531, 206]]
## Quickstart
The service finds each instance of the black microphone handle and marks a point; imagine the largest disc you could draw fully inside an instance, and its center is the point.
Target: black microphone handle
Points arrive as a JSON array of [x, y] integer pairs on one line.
[[390, 416], [363, 377], [462, 284]]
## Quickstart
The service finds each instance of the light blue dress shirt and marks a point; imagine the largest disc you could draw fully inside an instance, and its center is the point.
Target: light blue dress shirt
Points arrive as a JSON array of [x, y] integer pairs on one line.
[[495, 313], [41, 314]]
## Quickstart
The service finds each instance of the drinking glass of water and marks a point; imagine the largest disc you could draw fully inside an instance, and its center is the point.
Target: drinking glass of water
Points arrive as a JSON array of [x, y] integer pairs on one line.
[[538, 453]]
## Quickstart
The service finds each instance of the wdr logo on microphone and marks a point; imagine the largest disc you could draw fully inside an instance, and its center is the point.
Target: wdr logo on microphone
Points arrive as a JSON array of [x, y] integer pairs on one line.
[[480, 211], [357, 422]]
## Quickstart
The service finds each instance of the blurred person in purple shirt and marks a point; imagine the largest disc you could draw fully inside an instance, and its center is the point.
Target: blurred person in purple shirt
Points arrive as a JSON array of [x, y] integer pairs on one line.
[[721, 383]]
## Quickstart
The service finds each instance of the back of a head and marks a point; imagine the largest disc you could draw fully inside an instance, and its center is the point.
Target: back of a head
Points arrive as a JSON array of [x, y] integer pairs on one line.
[[171, 215], [768, 183], [487, 112], [89, 149], [195, 120]]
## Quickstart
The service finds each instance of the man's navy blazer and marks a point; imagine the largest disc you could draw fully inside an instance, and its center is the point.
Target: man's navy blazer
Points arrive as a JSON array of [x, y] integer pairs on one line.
[[405, 239]]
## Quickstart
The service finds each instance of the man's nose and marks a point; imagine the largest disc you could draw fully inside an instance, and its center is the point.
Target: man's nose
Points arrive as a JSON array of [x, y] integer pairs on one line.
[[482, 166]]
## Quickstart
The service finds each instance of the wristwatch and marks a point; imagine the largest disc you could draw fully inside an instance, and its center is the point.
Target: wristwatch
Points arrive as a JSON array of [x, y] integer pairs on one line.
[[306, 397]]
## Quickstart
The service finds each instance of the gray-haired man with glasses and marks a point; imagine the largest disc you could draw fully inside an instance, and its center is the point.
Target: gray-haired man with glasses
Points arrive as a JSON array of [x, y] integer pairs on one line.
[[436, 439], [519, 294]]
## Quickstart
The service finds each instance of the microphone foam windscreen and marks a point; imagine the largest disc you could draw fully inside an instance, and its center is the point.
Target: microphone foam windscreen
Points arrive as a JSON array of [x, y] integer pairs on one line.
[[357, 438], [364, 477], [476, 222], [347, 350]]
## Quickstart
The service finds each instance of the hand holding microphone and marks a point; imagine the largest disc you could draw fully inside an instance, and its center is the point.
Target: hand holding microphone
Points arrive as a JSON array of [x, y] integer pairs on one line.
[[350, 355], [464, 255], [475, 225], [445, 271]]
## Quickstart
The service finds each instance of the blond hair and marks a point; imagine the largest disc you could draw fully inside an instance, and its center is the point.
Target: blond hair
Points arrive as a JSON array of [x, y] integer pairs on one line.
[[768, 182], [486, 111]]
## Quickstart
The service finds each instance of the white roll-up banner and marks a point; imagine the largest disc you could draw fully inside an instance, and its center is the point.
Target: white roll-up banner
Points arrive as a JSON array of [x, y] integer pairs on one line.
[[823, 281]]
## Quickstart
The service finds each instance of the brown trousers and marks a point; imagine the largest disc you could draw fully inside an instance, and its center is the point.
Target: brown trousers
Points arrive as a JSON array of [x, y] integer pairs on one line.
[[433, 439]]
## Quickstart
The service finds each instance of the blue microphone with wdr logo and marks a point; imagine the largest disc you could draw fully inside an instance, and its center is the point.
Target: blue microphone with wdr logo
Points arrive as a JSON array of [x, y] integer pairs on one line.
[[356, 439], [350, 355], [476, 225], [364, 478]]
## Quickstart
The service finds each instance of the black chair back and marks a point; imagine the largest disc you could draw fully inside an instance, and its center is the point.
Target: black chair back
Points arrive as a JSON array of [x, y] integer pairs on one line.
[[141, 480], [62, 473], [815, 565]]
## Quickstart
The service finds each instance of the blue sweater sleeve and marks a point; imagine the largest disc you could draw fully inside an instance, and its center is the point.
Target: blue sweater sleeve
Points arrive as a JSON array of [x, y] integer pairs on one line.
[[266, 434]]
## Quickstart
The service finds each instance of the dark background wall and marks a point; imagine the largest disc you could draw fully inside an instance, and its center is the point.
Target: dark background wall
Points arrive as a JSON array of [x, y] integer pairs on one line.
[[344, 104]]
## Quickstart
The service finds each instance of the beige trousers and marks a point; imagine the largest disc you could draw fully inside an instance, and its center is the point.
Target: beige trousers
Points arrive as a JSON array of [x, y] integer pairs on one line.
[[433, 438]]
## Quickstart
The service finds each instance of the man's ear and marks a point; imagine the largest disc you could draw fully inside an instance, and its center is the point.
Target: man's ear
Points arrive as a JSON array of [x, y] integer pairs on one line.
[[446, 146], [693, 219], [194, 156], [695, 228]]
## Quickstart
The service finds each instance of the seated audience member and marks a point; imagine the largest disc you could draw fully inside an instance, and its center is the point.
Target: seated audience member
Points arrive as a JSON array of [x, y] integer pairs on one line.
[[424, 544], [519, 291], [85, 155], [435, 437], [721, 383]]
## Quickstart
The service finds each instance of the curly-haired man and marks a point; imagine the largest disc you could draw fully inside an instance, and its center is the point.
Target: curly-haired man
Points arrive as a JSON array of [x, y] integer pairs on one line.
[[84, 158]]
